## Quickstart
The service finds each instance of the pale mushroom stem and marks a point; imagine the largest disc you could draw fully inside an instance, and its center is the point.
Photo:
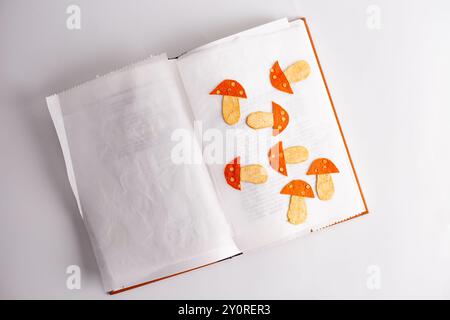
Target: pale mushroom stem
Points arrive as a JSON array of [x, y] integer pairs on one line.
[[297, 212], [231, 111], [298, 71], [254, 173], [259, 120], [297, 154], [324, 186]]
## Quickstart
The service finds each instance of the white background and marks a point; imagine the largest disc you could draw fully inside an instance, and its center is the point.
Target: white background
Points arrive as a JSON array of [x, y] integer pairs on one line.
[[391, 90]]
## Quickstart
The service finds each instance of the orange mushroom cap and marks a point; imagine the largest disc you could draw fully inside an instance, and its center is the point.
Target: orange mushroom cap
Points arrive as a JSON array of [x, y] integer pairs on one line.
[[280, 118], [298, 188], [276, 158], [278, 79], [322, 166], [232, 173], [230, 88]]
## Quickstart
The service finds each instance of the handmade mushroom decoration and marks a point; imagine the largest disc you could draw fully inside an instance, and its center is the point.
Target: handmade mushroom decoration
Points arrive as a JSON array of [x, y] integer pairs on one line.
[[232, 91], [298, 190], [278, 119], [323, 168], [279, 157], [234, 173], [296, 72]]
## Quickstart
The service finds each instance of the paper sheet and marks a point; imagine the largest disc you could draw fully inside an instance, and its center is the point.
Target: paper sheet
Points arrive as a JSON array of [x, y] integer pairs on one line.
[[258, 212], [146, 216]]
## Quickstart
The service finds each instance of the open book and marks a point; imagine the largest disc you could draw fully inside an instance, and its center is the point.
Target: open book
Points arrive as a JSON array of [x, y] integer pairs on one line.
[[146, 147]]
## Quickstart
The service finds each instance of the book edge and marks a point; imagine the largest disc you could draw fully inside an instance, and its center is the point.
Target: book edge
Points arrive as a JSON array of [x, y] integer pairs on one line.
[[366, 209], [113, 292]]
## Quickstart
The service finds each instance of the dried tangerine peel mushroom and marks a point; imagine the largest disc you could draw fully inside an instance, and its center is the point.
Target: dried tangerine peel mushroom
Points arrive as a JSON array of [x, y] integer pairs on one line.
[[232, 91], [276, 158], [298, 190], [235, 173], [278, 119], [279, 80], [232, 173], [323, 168], [279, 157], [296, 72]]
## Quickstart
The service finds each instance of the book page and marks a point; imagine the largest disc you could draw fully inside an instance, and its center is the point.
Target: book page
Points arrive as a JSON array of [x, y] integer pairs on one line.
[[147, 216], [258, 213]]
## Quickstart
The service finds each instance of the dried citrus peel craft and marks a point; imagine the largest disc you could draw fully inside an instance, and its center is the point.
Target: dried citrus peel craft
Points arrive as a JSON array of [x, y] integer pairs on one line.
[[276, 158], [235, 174], [278, 79], [323, 168], [298, 190], [232, 91], [296, 72], [279, 157], [278, 119]]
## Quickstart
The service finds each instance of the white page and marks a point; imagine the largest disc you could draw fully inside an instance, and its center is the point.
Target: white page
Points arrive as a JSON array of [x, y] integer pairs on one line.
[[258, 212], [147, 217]]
